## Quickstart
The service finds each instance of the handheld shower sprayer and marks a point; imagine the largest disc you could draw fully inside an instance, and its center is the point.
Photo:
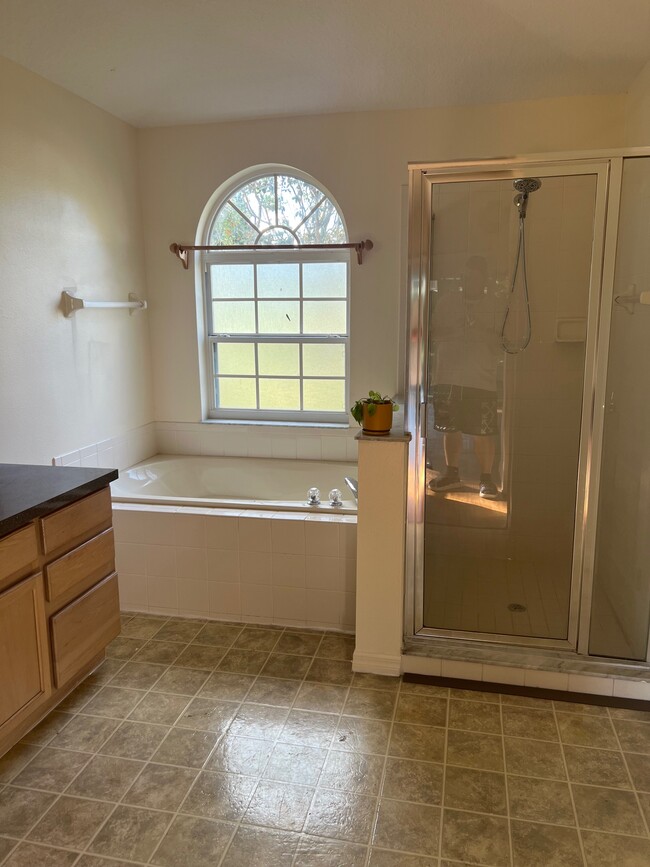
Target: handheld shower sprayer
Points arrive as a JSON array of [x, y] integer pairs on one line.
[[524, 187]]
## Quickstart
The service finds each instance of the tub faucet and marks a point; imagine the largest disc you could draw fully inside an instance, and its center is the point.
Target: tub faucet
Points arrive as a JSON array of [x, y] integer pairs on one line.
[[353, 485], [335, 498]]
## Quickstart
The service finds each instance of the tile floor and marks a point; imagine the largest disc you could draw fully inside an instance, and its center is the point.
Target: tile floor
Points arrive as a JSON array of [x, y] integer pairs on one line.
[[217, 744]]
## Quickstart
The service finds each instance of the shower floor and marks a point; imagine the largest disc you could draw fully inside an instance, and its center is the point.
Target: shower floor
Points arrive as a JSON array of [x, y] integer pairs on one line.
[[475, 594]]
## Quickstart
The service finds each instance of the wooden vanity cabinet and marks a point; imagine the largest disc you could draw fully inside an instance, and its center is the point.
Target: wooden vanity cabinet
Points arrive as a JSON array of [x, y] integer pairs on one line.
[[25, 678], [59, 608]]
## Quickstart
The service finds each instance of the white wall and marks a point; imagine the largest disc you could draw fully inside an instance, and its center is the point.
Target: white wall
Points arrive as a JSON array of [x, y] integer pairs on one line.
[[637, 110], [69, 217], [362, 159]]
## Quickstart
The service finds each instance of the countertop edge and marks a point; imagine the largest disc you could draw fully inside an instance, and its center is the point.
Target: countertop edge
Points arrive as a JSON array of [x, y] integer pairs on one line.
[[59, 500]]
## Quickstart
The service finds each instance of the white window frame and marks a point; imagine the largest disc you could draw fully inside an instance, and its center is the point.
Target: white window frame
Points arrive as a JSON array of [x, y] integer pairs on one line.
[[298, 255], [262, 257]]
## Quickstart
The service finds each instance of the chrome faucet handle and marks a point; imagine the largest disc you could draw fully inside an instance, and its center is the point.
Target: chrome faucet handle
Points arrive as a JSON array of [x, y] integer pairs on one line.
[[313, 497], [335, 498]]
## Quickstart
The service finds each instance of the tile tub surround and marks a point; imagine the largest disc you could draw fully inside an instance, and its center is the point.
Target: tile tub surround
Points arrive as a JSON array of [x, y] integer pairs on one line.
[[304, 442], [281, 568], [245, 758], [119, 452]]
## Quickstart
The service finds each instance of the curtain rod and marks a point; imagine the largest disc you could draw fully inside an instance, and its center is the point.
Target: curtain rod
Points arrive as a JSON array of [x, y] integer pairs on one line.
[[181, 250]]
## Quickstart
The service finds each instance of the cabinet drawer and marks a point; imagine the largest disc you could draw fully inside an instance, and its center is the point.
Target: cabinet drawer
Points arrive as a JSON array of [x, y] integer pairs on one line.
[[24, 668], [82, 567], [18, 553], [75, 523], [81, 631]]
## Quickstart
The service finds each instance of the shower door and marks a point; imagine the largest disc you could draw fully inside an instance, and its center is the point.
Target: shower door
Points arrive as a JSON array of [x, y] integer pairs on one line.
[[503, 366]]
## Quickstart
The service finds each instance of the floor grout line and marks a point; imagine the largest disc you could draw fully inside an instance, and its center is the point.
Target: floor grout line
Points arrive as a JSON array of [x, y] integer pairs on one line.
[[79, 711], [444, 778], [627, 768], [570, 788]]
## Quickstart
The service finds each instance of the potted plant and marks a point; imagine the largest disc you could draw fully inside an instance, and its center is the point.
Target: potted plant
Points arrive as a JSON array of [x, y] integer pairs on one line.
[[375, 413]]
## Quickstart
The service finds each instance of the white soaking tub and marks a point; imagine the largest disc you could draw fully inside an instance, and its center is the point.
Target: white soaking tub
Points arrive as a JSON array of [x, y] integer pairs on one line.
[[233, 539], [235, 483]]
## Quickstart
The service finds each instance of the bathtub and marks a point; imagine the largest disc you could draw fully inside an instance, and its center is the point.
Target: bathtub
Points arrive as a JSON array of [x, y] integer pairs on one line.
[[233, 539], [240, 483]]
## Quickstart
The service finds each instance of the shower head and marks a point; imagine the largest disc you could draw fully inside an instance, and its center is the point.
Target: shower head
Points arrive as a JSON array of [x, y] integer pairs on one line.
[[526, 185]]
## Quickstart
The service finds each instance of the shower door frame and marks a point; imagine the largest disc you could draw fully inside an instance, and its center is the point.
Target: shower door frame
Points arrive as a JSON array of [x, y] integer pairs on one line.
[[607, 167]]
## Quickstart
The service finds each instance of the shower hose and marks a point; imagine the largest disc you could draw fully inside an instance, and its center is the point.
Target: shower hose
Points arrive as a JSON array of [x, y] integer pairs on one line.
[[517, 346]]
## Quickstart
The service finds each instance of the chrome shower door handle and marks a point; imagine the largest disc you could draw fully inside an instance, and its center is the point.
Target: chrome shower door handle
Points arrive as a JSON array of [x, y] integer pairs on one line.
[[423, 419]]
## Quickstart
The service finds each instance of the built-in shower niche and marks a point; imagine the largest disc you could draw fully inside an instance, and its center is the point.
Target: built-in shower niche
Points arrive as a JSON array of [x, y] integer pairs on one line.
[[505, 400]]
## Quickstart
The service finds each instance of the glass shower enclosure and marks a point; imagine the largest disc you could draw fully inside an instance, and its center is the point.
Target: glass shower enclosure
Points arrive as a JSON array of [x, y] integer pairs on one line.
[[529, 498]]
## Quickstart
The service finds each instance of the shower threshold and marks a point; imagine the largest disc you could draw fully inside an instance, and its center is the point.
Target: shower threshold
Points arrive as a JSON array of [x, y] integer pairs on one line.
[[420, 647]]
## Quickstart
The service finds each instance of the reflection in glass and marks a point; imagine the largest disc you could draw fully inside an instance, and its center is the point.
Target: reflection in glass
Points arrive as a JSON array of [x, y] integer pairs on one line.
[[621, 591], [503, 431]]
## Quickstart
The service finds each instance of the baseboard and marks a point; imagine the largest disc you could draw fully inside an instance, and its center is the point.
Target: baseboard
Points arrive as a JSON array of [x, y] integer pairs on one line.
[[377, 663]]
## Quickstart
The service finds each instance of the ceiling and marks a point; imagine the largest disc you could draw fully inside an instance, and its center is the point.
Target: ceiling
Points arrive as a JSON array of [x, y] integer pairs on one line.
[[166, 62]]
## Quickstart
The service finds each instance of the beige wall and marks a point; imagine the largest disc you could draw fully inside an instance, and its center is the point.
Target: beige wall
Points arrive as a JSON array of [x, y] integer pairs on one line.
[[69, 217], [637, 110], [362, 159]]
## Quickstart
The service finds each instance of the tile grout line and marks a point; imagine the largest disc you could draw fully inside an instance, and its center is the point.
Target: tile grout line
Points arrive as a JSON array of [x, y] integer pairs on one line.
[[280, 633], [259, 777], [147, 762], [329, 749], [570, 787], [382, 778], [146, 692], [189, 699], [444, 776], [200, 770], [627, 768], [505, 780]]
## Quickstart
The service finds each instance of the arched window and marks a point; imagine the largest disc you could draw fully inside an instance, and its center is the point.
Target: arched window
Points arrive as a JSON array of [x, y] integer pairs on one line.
[[277, 320]]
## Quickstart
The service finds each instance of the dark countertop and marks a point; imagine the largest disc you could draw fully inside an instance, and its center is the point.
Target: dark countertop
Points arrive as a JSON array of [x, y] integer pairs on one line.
[[28, 491]]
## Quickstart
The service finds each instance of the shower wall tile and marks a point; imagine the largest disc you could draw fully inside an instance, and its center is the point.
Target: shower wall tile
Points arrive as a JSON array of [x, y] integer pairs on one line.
[[248, 566]]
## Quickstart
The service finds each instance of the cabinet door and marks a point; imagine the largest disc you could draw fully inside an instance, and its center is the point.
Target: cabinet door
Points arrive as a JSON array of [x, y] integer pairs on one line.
[[24, 670], [81, 630]]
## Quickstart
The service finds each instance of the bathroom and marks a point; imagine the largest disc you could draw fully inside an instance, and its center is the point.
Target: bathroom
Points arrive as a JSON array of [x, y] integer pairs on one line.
[[369, 644]]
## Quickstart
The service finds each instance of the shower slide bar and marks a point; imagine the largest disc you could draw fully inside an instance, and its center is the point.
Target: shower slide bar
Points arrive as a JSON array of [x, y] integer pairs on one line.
[[629, 302], [70, 304]]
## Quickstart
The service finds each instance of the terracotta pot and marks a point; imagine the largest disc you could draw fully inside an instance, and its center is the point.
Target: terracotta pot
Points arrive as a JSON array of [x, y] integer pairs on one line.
[[380, 422]]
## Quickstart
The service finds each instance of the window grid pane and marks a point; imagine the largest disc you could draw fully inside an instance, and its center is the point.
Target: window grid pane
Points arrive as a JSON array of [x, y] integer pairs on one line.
[[325, 385], [240, 311], [320, 385]]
